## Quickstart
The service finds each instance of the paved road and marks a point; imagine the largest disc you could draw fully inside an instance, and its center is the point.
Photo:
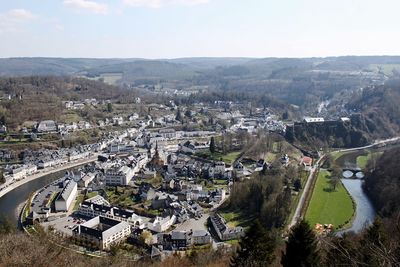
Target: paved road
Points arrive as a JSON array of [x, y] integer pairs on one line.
[[378, 142], [302, 200], [7, 188]]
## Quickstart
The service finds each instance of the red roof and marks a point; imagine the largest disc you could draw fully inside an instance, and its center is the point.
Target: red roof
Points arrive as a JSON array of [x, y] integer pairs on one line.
[[307, 161]]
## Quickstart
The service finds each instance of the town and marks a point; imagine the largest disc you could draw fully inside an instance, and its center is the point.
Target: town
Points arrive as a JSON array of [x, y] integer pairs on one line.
[[148, 182]]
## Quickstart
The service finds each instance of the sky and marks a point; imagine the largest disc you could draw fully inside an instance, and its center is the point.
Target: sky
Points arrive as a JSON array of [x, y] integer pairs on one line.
[[198, 28]]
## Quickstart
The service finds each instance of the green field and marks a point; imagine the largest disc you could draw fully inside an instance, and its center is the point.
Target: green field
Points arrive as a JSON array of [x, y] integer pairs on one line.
[[111, 78], [386, 68], [329, 207], [234, 219], [362, 161], [227, 158]]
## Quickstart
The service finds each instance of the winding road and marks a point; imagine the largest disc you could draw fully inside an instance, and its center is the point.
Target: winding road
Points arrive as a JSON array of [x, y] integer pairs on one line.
[[7, 188]]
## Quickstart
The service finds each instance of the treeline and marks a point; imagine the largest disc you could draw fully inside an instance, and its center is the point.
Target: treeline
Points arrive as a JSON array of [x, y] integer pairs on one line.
[[382, 183], [377, 245], [264, 196]]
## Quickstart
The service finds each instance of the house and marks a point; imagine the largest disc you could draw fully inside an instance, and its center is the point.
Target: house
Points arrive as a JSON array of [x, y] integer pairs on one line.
[[86, 180], [46, 126], [167, 133], [67, 195], [102, 232], [162, 200], [201, 237], [307, 162], [285, 159], [133, 117], [180, 239], [223, 231], [3, 129], [119, 175], [161, 224], [193, 147], [147, 192], [117, 120], [313, 120]]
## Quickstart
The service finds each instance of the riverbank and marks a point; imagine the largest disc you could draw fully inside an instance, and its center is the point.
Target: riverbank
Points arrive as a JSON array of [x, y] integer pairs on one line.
[[42, 173]]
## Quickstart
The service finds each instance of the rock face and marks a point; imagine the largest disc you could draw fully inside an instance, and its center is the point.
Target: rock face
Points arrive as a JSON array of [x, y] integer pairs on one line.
[[326, 134]]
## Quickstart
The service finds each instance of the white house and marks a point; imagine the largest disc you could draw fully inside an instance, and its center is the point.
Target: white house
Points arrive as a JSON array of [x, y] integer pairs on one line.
[[66, 196], [160, 224], [119, 175]]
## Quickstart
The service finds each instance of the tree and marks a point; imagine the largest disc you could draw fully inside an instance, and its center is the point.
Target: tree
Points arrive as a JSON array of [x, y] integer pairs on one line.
[[329, 161], [178, 116], [109, 108], [297, 184], [256, 248], [302, 247], [212, 145], [336, 174], [2, 179]]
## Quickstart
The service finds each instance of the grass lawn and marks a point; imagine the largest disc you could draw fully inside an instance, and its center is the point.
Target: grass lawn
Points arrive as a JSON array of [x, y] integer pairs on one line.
[[236, 218], [362, 161], [336, 155], [270, 157], [329, 207], [92, 194], [227, 158], [70, 117], [79, 200]]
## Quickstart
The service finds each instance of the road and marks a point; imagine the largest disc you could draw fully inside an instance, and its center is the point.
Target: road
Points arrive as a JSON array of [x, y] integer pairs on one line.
[[47, 171], [304, 194], [378, 142]]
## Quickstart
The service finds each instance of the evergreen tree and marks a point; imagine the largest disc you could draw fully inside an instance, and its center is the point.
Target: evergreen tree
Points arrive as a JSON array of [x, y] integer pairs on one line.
[[297, 184], [109, 108], [301, 248], [178, 116], [212, 145], [256, 248]]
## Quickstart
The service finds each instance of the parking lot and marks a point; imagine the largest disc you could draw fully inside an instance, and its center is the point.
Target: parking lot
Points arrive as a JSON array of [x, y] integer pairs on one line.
[[193, 224], [65, 225]]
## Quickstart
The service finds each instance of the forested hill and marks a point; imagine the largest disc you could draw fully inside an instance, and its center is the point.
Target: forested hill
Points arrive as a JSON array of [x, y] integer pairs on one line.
[[379, 106], [382, 183]]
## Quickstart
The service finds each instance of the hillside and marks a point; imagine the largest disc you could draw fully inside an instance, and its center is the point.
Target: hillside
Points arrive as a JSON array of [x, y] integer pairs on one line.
[[382, 183], [379, 106], [329, 134]]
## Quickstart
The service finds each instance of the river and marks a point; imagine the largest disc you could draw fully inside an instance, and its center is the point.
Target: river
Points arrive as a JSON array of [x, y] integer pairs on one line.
[[9, 203], [365, 212]]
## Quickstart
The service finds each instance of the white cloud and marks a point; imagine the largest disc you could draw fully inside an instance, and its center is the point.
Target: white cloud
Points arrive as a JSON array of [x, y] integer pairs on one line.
[[162, 3], [87, 5], [14, 19]]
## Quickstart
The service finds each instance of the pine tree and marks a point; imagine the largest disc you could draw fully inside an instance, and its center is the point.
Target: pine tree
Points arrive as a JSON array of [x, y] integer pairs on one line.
[[178, 115], [212, 145], [109, 108], [301, 248], [256, 248]]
